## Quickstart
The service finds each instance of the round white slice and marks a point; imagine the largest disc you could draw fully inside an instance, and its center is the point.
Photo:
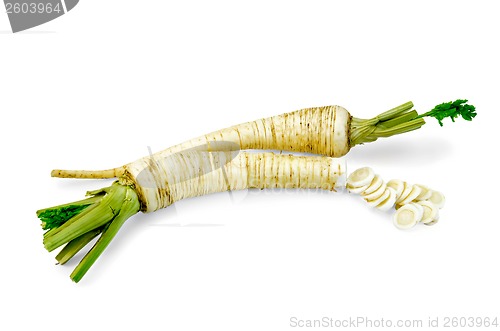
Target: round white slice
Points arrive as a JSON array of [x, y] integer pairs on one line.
[[425, 192], [374, 185], [357, 190], [419, 208], [380, 199], [408, 216], [431, 212], [406, 190], [375, 194], [389, 202], [437, 198], [361, 177], [414, 193], [398, 185]]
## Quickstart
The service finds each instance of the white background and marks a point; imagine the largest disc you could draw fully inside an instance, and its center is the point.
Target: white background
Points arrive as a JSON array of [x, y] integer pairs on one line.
[[94, 88]]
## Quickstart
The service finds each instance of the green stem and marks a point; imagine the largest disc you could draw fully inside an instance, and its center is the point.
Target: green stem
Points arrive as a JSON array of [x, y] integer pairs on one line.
[[365, 130], [129, 208], [105, 214], [97, 215], [399, 129], [402, 119], [390, 114], [76, 245], [398, 120]]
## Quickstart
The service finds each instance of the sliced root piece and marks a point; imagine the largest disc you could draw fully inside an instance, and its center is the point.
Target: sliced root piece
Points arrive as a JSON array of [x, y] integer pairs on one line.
[[389, 202], [414, 193], [374, 185], [378, 200], [375, 194], [360, 177], [398, 185], [431, 212], [408, 216], [425, 192], [438, 199], [357, 190], [407, 187]]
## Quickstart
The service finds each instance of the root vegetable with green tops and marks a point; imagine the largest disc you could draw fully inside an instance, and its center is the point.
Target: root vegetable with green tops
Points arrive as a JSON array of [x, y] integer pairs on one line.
[[157, 181], [329, 131], [165, 181]]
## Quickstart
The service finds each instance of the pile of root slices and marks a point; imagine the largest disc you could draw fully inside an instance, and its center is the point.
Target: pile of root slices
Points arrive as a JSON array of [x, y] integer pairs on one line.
[[413, 203]]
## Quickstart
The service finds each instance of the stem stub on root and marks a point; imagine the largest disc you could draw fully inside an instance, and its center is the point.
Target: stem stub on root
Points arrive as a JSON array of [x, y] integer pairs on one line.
[[76, 224]]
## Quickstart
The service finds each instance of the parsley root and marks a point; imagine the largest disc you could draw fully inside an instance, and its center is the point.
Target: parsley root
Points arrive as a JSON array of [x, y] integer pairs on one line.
[[165, 181], [329, 131], [212, 163]]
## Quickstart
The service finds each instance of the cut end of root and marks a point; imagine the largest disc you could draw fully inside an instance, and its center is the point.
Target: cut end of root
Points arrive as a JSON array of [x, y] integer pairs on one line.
[[408, 216], [437, 198], [360, 177], [431, 212]]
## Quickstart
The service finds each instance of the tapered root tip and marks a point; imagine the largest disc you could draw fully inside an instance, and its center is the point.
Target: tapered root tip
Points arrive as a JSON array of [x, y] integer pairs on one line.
[[88, 174]]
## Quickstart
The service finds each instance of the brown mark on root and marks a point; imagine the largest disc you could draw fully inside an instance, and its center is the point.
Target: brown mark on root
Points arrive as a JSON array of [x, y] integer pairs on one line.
[[128, 179], [349, 142]]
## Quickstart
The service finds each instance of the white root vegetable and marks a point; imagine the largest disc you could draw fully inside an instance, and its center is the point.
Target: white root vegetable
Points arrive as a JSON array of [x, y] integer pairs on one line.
[[360, 177], [357, 190], [408, 216], [148, 186], [329, 131], [397, 193], [375, 184], [437, 198], [431, 212], [166, 180], [397, 185], [378, 200], [414, 193], [404, 194], [374, 195], [425, 192], [407, 193], [317, 130], [389, 202], [158, 181]]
